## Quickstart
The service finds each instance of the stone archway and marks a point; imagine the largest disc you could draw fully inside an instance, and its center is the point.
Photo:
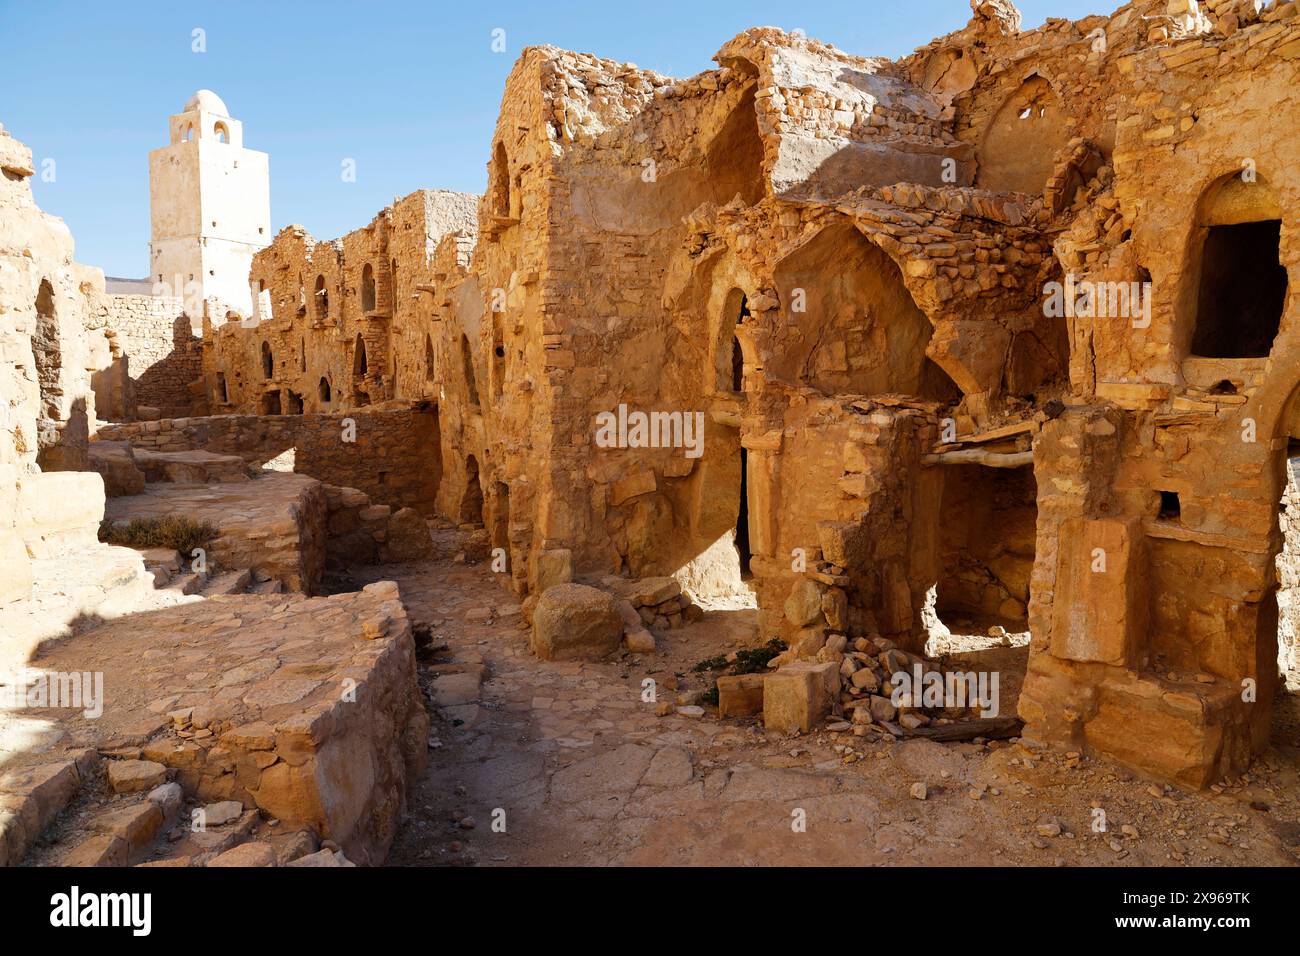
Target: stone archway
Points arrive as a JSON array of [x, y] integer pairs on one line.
[[1019, 148]]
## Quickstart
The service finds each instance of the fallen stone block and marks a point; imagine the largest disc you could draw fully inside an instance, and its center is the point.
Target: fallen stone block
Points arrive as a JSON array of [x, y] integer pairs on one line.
[[650, 592], [219, 814], [576, 622], [136, 826], [639, 640]]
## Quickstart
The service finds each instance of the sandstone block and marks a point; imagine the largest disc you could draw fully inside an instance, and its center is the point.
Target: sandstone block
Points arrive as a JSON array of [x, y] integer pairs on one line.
[[103, 849], [651, 592], [636, 484], [1101, 601], [576, 622], [408, 537], [131, 776], [246, 854], [804, 604], [116, 463], [740, 695], [640, 641], [553, 567], [799, 695]]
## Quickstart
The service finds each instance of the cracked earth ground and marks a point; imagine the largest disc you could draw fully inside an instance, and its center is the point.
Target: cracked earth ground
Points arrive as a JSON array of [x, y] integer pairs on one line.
[[540, 763]]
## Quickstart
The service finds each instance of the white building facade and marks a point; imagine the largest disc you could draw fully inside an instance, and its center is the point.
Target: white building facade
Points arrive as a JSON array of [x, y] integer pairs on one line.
[[210, 202]]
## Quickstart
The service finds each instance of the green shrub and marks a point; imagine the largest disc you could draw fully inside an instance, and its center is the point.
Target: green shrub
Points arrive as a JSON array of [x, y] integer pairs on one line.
[[751, 660], [179, 532]]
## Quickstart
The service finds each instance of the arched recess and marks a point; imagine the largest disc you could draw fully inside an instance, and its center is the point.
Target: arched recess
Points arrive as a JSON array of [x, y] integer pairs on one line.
[[500, 532], [324, 391], [46, 352], [498, 356], [735, 154], [1236, 287], [430, 360], [859, 331], [322, 299], [368, 288], [360, 363], [268, 361], [728, 356], [471, 502], [467, 362], [1038, 354], [499, 181], [1019, 148]]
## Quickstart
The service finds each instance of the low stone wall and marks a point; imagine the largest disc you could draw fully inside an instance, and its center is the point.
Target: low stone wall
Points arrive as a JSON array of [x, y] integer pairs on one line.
[[273, 526], [361, 532], [394, 455], [307, 709], [164, 355]]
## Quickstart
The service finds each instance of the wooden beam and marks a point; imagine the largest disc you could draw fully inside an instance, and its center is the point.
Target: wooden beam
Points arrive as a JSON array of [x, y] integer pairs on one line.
[[976, 456]]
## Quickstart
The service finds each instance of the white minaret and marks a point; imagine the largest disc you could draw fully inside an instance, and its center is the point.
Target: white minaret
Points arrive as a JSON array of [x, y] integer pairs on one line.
[[211, 206]]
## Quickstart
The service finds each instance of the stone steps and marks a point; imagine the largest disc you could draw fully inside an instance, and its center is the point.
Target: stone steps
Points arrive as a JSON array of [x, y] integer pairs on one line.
[[109, 820], [169, 575], [229, 582]]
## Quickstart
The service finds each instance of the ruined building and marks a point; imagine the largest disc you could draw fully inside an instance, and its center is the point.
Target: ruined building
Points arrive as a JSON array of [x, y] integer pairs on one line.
[[1000, 331], [847, 264]]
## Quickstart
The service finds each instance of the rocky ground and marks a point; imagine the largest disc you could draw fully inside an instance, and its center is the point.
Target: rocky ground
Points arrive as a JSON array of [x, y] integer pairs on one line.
[[569, 763]]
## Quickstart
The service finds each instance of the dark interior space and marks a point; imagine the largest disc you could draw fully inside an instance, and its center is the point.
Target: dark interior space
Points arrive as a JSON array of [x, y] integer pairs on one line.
[[1242, 291]]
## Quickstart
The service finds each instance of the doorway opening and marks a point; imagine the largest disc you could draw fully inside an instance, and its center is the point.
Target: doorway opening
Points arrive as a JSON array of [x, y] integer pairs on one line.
[[742, 518], [1242, 291], [987, 530]]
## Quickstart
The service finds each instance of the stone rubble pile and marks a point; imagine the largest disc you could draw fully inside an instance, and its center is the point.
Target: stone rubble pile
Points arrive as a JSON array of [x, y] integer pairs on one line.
[[578, 621]]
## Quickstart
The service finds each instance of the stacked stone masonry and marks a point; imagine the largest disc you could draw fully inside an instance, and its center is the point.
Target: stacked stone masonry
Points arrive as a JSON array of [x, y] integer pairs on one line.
[[843, 263], [830, 278]]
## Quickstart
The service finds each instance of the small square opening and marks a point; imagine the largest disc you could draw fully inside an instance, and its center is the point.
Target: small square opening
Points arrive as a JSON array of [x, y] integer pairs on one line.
[[1170, 508]]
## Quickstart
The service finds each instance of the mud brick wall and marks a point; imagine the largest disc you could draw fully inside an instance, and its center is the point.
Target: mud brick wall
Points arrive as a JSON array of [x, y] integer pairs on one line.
[[395, 458], [163, 353]]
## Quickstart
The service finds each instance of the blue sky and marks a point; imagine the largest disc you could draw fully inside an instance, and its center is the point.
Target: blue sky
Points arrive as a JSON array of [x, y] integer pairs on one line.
[[409, 90]]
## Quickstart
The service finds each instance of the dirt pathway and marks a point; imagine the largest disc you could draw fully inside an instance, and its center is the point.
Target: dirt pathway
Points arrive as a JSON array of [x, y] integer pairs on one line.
[[549, 763]]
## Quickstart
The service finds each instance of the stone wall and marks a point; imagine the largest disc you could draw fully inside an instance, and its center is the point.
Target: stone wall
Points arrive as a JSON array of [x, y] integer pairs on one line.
[[164, 357], [52, 349], [394, 458], [1288, 578], [842, 265], [349, 319]]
